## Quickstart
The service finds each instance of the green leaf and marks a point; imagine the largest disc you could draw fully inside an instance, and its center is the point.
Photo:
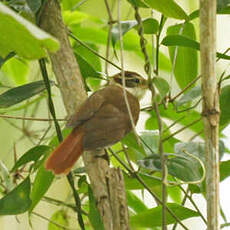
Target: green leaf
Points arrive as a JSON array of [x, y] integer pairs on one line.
[[180, 40], [150, 140], [59, 217], [224, 170], [131, 42], [225, 10], [86, 69], [21, 93], [162, 86], [3, 60], [184, 168], [183, 119], [94, 215], [17, 70], [175, 194], [153, 217], [31, 155], [189, 96], [167, 7], [224, 105], [221, 4], [135, 203], [185, 58], [41, 184], [89, 63], [34, 5], [131, 183], [93, 83], [195, 148], [130, 141], [125, 27], [17, 201], [93, 60], [150, 26], [138, 3], [76, 17], [22, 37]]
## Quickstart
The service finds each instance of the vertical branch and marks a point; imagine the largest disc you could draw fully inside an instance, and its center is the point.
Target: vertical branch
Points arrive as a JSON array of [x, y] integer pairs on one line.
[[156, 108], [210, 108]]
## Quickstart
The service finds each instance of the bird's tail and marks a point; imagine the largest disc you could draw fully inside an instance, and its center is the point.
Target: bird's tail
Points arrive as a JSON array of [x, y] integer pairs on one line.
[[66, 154]]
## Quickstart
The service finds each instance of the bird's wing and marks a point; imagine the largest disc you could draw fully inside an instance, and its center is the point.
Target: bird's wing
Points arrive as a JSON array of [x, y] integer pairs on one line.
[[87, 110]]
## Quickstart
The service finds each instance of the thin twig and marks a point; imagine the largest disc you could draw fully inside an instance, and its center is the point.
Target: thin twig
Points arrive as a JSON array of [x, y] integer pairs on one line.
[[194, 204], [92, 50], [173, 123], [29, 118], [51, 221], [180, 130], [185, 88]]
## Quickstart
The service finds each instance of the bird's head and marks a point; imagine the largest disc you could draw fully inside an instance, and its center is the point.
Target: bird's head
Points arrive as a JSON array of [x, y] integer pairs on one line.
[[134, 83]]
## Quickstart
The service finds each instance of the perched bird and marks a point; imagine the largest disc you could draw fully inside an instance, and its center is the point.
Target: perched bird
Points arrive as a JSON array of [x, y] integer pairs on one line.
[[101, 121]]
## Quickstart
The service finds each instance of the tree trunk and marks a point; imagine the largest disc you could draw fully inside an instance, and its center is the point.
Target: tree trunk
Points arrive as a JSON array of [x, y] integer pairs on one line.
[[105, 188]]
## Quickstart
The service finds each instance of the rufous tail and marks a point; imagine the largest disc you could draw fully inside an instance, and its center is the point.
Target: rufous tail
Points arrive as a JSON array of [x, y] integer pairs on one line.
[[66, 154]]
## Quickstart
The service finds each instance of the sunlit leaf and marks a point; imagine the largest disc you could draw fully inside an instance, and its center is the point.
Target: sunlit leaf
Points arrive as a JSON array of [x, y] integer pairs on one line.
[[59, 217], [17, 201], [138, 3], [17, 70], [167, 7], [131, 42], [22, 37], [150, 26], [185, 58], [3, 60], [135, 203]]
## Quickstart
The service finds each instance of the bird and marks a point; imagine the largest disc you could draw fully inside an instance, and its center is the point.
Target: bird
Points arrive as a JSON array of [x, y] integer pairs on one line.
[[101, 121]]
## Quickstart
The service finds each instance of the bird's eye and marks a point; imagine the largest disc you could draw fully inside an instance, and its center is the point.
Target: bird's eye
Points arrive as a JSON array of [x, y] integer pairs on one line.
[[137, 80]]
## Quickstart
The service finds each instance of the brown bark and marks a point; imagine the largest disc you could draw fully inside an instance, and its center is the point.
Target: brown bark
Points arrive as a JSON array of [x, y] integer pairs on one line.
[[73, 92]]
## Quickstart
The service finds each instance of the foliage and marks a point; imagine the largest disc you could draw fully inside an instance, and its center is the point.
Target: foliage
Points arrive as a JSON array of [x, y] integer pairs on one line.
[[177, 95]]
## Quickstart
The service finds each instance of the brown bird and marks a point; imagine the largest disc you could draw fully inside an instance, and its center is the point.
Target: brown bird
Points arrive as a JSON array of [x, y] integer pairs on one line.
[[101, 121]]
